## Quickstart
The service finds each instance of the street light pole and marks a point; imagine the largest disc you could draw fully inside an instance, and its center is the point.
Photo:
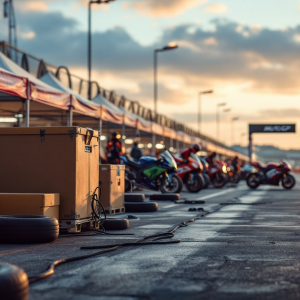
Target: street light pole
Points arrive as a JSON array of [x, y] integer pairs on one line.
[[218, 120], [232, 129], [170, 46], [90, 42], [199, 107], [226, 110]]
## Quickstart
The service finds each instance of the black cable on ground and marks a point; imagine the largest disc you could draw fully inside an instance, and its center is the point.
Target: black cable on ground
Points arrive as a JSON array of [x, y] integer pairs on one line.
[[147, 240]]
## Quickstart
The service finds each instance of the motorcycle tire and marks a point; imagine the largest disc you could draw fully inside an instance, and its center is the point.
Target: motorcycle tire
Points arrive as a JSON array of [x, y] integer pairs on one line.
[[291, 179], [128, 185], [219, 182], [177, 189], [206, 181], [236, 178], [199, 184], [252, 184]]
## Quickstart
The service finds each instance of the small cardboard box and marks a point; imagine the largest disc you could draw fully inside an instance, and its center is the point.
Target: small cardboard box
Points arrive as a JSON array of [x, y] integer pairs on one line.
[[112, 178], [30, 204]]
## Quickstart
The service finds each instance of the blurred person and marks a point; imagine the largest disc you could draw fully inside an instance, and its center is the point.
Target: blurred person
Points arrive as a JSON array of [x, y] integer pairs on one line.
[[211, 159], [235, 164], [114, 150], [185, 154], [136, 153]]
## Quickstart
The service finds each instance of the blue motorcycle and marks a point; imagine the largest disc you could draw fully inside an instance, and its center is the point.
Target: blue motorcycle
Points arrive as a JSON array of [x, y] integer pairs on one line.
[[154, 174]]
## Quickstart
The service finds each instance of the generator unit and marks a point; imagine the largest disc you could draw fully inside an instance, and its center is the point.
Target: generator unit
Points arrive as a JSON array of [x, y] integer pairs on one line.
[[62, 160]]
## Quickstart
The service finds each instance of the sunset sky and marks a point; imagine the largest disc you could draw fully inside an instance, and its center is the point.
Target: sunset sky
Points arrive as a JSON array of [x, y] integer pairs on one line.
[[247, 51]]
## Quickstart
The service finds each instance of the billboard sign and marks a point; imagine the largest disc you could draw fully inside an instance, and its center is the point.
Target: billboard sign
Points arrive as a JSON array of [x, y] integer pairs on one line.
[[272, 128]]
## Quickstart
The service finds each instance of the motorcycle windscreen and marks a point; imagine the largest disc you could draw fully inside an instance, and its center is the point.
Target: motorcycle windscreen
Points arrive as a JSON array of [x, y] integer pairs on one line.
[[169, 158], [197, 160]]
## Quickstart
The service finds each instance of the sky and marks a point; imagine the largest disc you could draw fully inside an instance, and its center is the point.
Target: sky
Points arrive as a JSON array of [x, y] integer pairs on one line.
[[247, 51]]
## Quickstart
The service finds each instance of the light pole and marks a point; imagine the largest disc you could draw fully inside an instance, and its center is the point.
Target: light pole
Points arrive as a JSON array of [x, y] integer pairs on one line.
[[218, 119], [199, 107], [170, 46], [232, 129], [225, 111], [242, 135], [90, 41]]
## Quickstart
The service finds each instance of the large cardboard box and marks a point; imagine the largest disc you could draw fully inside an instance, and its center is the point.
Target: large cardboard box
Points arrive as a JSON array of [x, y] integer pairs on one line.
[[112, 179], [62, 160], [30, 204]]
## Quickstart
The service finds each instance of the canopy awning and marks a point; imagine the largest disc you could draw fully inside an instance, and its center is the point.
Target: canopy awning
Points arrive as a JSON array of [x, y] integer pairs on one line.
[[39, 91], [79, 103]]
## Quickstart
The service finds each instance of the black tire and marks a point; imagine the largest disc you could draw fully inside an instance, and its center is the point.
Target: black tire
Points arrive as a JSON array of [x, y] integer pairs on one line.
[[198, 186], [21, 229], [168, 197], [116, 224], [219, 181], [141, 207], [236, 178], [176, 180], [128, 185], [288, 179], [206, 181], [14, 283], [134, 197], [253, 180]]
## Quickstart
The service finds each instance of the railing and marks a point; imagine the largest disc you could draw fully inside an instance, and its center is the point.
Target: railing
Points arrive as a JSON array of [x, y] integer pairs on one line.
[[38, 68]]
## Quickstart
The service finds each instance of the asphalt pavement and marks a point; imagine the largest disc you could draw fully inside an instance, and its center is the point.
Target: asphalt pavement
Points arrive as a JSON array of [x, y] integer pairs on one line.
[[247, 247]]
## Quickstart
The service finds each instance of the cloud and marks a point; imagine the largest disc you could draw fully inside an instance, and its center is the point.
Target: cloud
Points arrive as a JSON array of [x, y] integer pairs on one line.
[[216, 8], [264, 61], [163, 8], [33, 6]]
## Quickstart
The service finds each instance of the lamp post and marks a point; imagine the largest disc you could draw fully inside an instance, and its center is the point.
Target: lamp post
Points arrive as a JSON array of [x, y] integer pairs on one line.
[[170, 46], [232, 129], [218, 119], [90, 41], [199, 107], [242, 135], [225, 111]]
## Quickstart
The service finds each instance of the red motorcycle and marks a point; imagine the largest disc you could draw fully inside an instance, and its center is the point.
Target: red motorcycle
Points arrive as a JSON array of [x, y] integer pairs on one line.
[[190, 173], [217, 174], [271, 174]]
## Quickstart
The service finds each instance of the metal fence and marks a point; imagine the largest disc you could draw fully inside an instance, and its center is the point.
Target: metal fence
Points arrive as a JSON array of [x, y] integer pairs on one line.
[[38, 67]]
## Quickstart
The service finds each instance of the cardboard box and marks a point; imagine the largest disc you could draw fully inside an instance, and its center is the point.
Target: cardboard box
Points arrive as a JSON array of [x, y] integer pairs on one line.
[[30, 204], [112, 178], [62, 160]]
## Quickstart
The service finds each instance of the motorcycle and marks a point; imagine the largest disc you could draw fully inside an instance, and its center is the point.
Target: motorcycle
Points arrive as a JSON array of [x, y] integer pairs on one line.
[[154, 174], [205, 172], [234, 176], [217, 175], [190, 173], [271, 174]]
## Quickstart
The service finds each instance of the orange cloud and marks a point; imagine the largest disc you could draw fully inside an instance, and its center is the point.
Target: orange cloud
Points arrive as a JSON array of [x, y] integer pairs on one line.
[[34, 5], [217, 8], [164, 8]]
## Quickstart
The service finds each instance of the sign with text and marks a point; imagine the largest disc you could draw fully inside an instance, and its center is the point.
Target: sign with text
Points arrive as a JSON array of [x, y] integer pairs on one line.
[[272, 128]]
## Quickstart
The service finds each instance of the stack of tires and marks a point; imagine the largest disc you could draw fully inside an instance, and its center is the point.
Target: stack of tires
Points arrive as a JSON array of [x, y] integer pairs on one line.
[[136, 203]]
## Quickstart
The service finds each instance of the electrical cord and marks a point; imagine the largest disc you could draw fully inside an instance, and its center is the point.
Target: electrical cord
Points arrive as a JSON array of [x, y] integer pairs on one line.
[[97, 206], [147, 240]]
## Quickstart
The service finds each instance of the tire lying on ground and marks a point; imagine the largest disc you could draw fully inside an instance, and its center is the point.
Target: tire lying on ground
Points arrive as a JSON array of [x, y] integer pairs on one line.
[[22, 229], [14, 283], [134, 197], [141, 207], [165, 197], [116, 224]]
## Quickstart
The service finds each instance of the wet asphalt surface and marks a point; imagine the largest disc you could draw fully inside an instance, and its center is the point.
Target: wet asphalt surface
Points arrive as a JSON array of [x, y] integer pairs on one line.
[[249, 249]]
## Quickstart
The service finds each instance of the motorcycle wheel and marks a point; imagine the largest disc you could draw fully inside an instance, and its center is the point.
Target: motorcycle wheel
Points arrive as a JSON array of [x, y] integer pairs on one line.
[[288, 181], [236, 178], [175, 187], [197, 186], [219, 181], [206, 181], [128, 185], [252, 181]]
